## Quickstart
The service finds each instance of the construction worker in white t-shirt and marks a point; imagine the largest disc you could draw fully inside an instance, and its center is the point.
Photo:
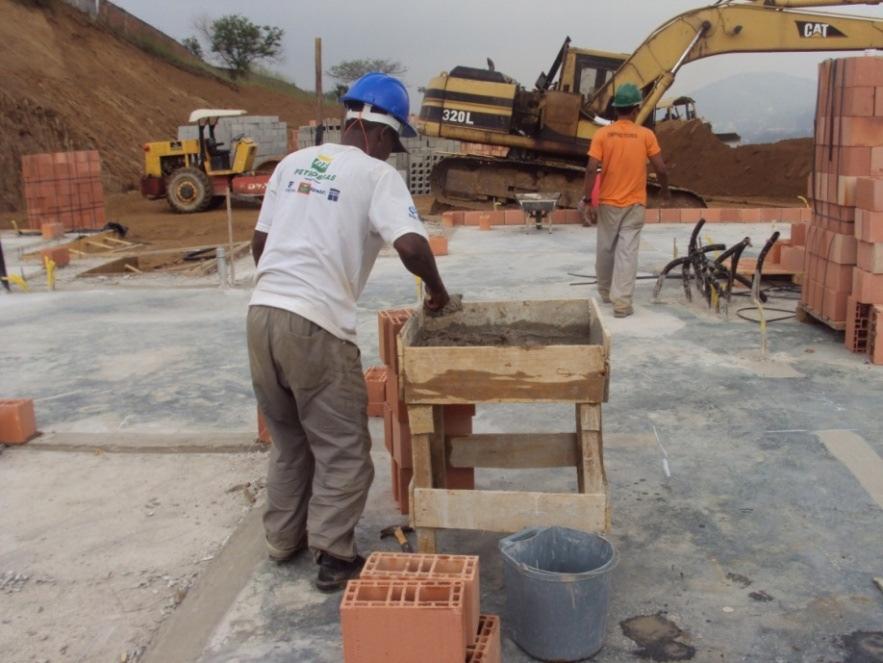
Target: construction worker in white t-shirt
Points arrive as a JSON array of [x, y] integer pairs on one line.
[[327, 212]]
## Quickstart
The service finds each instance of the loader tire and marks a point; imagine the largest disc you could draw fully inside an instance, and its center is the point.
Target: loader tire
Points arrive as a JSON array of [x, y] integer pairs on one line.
[[189, 190]]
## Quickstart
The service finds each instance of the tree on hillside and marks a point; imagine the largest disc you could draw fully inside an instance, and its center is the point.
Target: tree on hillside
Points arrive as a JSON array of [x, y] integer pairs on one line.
[[192, 44], [239, 43], [349, 70]]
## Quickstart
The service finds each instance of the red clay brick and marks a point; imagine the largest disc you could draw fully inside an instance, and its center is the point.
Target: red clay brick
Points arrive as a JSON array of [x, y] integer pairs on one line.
[[18, 423], [692, 215], [401, 566], [401, 481], [870, 257], [861, 131], [876, 166], [485, 221], [863, 71], [471, 217], [375, 382], [387, 427], [875, 336], [388, 621], [834, 306], [669, 215], [857, 325], [448, 220], [514, 217], [439, 245], [838, 277], [651, 215], [867, 288], [488, 647], [793, 258], [798, 234], [858, 101], [869, 226], [59, 255], [389, 323], [52, 230]]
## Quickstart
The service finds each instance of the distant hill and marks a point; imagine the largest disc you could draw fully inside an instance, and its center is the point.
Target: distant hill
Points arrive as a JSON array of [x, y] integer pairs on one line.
[[762, 108]]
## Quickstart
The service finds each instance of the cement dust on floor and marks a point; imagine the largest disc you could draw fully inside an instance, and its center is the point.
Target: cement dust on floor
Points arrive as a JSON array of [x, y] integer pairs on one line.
[[108, 544], [761, 545]]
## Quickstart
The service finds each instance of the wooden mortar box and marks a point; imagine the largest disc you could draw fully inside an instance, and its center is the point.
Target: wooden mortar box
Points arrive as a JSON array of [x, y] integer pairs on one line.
[[506, 352]]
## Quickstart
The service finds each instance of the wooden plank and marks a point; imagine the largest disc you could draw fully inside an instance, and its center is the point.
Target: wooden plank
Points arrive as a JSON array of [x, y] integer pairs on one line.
[[421, 419], [555, 373], [437, 449], [505, 511], [514, 451], [591, 474]]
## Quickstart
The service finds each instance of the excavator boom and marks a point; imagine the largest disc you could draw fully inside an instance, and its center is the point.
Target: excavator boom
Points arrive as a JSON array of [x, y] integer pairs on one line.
[[758, 27], [533, 140]]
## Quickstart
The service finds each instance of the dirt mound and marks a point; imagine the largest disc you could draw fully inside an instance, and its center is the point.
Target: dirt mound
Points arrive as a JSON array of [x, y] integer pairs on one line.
[[697, 160], [70, 84]]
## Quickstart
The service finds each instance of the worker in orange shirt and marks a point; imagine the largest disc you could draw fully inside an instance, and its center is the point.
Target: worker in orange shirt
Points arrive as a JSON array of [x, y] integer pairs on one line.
[[621, 150]]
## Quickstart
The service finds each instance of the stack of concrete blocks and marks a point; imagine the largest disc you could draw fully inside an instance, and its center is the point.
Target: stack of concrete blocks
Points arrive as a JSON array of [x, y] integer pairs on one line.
[[415, 166], [407, 607], [864, 322], [63, 191], [397, 431], [267, 131], [848, 149]]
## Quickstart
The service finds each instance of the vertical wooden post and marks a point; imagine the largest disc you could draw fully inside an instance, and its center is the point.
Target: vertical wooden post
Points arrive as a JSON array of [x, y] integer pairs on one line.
[[230, 239], [427, 436], [319, 111], [590, 456]]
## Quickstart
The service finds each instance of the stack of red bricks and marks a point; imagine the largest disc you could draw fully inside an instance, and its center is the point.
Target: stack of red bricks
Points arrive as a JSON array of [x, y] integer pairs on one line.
[[516, 217], [864, 321], [397, 432], [406, 608], [63, 188], [847, 166]]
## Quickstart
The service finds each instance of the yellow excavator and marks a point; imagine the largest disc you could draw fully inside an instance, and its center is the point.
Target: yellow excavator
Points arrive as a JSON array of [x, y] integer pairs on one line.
[[545, 132]]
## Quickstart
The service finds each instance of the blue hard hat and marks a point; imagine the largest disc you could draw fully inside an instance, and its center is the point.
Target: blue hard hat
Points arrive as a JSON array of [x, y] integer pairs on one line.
[[385, 93]]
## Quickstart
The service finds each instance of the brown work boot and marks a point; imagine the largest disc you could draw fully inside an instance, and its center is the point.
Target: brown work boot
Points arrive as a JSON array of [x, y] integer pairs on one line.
[[622, 311], [334, 572]]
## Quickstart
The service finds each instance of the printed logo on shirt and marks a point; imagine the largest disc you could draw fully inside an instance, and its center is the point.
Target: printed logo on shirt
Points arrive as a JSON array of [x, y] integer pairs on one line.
[[314, 174], [333, 195], [412, 212], [304, 187], [321, 163]]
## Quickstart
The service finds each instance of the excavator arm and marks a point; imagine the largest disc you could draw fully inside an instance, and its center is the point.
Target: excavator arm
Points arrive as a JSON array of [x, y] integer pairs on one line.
[[751, 26]]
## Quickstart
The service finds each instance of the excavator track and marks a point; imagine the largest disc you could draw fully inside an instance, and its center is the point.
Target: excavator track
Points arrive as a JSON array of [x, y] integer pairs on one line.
[[475, 182]]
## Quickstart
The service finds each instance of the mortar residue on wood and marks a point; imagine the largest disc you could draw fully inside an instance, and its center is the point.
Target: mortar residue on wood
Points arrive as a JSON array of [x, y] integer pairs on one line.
[[518, 334]]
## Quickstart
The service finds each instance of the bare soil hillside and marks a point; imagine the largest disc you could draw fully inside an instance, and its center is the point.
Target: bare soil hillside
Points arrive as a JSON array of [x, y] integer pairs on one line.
[[68, 84]]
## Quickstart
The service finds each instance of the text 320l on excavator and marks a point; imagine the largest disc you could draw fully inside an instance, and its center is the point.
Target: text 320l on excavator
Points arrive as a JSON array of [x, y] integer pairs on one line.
[[545, 132]]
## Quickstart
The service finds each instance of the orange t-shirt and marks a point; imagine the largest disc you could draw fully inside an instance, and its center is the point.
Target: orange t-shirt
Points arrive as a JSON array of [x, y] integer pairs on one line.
[[623, 149]]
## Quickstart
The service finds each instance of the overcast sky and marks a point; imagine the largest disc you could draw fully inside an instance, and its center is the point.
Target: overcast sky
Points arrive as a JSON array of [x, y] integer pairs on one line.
[[522, 36]]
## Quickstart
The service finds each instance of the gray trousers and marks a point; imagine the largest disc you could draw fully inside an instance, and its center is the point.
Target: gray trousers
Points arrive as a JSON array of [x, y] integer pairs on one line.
[[617, 246], [310, 387]]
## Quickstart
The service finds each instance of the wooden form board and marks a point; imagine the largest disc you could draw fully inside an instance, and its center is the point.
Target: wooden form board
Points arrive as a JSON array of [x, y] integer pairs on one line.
[[508, 374], [507, 511]]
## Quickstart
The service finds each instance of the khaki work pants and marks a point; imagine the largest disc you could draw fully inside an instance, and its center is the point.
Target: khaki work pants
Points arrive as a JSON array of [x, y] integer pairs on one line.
[[310, 387], [617, 245]]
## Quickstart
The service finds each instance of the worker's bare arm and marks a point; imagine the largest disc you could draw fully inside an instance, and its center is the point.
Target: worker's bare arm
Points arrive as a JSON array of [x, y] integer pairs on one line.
[[591, 174], [257, 245], [416, 256], [658, 164]]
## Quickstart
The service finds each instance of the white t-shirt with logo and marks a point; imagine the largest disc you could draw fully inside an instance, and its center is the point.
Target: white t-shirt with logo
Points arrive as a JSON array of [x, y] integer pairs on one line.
[[327, 212]]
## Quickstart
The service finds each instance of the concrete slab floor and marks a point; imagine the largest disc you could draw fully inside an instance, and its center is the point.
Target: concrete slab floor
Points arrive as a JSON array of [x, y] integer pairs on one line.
[[756, 502]]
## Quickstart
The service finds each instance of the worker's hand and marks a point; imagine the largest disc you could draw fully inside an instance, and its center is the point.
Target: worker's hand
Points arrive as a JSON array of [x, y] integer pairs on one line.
[[587, 213], [436, 301]]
